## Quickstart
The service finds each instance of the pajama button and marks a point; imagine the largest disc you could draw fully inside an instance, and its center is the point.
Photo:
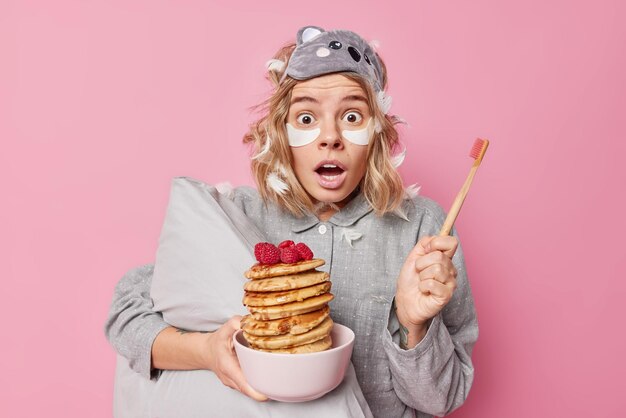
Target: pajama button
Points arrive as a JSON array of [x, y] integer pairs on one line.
[[322, 229]]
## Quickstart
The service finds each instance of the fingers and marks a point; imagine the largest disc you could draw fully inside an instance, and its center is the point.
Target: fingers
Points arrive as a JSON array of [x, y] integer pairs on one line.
[[442, 293], [420, 248], [436, 265], [446, 244], [249, 391], [230, 327], [427, 279], [239, 382], [234, 323], [227, 367], [408, 268], [438, 281]]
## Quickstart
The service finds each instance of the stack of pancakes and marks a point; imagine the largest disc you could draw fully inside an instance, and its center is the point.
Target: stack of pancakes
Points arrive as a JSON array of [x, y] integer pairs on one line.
[[288, 305]]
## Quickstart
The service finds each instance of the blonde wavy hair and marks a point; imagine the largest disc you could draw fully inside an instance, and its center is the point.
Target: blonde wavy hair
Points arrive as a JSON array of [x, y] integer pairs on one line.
[[381, 185]]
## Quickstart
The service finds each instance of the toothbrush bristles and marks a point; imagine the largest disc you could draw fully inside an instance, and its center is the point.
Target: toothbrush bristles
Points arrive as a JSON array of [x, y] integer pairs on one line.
[[479, 148]]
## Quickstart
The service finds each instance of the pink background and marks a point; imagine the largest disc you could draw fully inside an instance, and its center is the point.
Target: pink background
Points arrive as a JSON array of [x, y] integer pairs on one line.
[[103, 102]]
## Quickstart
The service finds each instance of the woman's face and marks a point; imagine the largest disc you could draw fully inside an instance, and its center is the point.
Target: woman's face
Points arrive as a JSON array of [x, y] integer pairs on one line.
[[328, 128]]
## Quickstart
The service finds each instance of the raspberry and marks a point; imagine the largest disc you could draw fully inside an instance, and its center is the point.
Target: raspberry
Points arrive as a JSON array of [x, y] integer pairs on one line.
[[258, 248], [266, 253], [304, 251], [289, 255], [285, 244]]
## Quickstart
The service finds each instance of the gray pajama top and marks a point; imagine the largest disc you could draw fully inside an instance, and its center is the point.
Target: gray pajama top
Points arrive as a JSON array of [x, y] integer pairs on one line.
[[364, 254]]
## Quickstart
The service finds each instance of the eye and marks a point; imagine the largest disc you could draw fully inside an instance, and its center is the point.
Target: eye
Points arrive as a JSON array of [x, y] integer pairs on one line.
[[354, 53], [334, 45], [353, 117], [367, 59], [305, 119]]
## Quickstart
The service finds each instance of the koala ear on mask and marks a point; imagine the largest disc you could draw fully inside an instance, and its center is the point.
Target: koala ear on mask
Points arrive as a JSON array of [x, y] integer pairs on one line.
[[307, 33]]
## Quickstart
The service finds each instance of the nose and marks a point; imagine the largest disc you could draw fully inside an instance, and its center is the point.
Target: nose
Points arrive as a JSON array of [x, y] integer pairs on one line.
[[330, 137]]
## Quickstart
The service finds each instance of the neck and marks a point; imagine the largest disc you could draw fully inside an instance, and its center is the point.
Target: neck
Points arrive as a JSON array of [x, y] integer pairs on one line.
[[326, 210], [325, 215]]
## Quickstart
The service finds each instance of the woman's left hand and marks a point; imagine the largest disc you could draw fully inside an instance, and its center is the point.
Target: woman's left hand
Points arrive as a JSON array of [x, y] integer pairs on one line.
[[427, 281]]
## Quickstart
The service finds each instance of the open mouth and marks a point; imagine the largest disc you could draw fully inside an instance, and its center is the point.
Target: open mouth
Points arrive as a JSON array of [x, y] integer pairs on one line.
[[329, 171], [330, 174]]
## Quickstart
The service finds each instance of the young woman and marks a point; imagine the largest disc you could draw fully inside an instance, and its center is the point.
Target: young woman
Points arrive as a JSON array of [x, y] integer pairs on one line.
[[324, 168]]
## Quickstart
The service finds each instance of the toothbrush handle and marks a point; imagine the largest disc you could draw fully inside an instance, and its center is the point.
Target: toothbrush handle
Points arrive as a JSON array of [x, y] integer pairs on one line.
[[458, 202]]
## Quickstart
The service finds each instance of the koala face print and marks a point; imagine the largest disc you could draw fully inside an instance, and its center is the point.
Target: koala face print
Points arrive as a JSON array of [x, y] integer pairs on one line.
[[320, 52]]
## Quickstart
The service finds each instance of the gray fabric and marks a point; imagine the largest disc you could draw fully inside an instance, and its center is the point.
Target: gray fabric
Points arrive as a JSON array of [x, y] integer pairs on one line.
[[315, 56], [199, 393], [206, 243], [132, 393], [436, 375], [346, 401], [132, 324]]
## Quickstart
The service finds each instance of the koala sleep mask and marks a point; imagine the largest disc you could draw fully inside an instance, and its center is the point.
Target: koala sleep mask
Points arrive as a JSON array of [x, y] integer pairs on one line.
[[319, 52]]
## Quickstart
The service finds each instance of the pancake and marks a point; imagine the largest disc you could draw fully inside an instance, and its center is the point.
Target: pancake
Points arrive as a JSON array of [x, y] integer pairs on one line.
[[288, 340], [314, 347], [297, 324], [294, 281], [280, 298], [265, 313], [263, 271]]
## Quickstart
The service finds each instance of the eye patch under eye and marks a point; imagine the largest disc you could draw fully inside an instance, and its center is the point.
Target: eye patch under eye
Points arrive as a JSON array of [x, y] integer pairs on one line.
[[301, 137], [360, 137]]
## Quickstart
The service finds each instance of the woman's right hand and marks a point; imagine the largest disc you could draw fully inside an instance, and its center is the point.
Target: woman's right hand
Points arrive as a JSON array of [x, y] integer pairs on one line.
[[223, 361]]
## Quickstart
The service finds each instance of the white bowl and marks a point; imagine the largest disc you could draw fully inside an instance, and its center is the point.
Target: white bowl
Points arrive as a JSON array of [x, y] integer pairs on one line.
[[296, 377]]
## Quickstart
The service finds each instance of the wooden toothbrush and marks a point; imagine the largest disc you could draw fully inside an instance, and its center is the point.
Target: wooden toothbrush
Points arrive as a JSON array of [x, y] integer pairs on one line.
[[477, 153]]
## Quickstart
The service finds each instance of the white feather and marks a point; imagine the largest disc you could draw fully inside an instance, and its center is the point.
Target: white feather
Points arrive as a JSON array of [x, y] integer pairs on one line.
[[350, 235], [323, 206], [380, 299], [398, 159], [401, 120], [378, 128], [280, 169], [412, 191], [384, 101], [265, 149], [400, 213], [275, 65], [276, 184], [226, 189]]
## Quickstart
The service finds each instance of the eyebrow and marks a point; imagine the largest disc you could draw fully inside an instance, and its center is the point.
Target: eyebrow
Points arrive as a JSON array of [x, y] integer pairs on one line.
[[351, 98]]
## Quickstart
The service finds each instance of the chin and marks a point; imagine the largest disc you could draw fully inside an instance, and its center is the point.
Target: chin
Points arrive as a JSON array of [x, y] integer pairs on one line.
[[331, 196]]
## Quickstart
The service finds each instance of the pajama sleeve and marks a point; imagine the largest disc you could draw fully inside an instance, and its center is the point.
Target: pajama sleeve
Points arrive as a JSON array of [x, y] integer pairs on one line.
[[132, 325], [435, 376]]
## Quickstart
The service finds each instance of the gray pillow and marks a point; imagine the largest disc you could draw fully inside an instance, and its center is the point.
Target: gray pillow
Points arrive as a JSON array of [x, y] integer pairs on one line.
[[199, 393], [206, 245]]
